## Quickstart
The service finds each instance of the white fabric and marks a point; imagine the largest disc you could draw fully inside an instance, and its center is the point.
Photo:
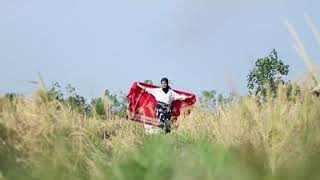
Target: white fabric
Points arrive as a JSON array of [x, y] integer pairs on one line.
[[149, 129], [168, 97]]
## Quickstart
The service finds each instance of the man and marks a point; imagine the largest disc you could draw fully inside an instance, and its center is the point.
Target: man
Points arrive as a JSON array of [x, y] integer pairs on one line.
[[164, 97]]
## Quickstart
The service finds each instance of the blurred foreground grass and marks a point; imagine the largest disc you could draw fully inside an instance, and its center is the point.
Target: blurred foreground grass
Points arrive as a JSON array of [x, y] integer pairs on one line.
[[44, 139]]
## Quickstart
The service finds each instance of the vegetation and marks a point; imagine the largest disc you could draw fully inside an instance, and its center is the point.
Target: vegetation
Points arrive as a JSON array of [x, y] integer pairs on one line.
[[266, 75], [56, 134], [43, 139], [107, 106]]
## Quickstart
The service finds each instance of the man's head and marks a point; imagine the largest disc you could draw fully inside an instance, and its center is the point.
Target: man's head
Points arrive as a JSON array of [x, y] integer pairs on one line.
[[164, 83]]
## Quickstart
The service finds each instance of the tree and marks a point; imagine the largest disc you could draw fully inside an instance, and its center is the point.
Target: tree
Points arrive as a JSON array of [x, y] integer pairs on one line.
[[212, 100], [148, 81], [72, 98], [208, 98], [221, 100], [124, 103], [97, 105], [76, 101], [266, 75], [111, 105], [55, 92]]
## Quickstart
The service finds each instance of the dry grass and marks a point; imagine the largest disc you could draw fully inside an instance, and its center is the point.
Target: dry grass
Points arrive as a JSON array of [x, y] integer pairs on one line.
[[281, 128], [37, 133]]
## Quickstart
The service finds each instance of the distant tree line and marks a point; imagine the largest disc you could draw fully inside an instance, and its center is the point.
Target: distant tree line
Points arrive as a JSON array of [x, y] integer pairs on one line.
[[262, 81], [108, 106]]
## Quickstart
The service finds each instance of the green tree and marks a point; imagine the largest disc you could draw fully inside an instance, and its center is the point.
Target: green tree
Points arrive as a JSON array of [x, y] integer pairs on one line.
[[266, 75], [55, 92], [97, 105], [12, 96], [75, 100], [124, 103], [69, 97], [118, 104], [208, 98], [221, 100], [148, 81]]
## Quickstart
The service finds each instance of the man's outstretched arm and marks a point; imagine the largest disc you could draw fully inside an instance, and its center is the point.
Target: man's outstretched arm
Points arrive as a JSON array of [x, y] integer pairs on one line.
[[149, 90]]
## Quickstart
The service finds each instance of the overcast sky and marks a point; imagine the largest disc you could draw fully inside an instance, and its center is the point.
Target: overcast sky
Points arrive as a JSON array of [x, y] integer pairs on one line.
[[97, 45]]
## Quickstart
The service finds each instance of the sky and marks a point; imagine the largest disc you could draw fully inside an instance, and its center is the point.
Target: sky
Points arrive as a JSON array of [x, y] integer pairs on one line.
[[198, 44]]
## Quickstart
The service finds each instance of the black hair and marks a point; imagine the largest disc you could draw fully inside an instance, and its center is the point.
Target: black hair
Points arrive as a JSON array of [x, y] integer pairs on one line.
[[168, 87], [165, 80]]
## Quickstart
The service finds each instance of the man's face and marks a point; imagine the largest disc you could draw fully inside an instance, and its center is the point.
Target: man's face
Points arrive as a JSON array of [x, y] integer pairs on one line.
[[164, 84]]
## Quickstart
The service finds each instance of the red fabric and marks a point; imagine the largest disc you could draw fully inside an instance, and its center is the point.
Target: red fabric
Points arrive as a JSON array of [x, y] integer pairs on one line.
[[142, 105]]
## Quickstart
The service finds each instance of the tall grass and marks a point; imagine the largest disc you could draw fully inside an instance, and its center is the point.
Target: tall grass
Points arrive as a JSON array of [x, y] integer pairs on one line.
[[44, 139]]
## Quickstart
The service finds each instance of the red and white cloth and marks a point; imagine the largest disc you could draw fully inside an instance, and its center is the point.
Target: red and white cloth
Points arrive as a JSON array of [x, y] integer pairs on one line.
[[142, 105]]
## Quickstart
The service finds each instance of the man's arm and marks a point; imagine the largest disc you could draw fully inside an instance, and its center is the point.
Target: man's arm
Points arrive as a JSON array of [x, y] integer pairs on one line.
[[149, 90]]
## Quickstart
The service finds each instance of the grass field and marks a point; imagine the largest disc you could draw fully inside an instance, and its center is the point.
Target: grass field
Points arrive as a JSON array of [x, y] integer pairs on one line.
[[42, 139]]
